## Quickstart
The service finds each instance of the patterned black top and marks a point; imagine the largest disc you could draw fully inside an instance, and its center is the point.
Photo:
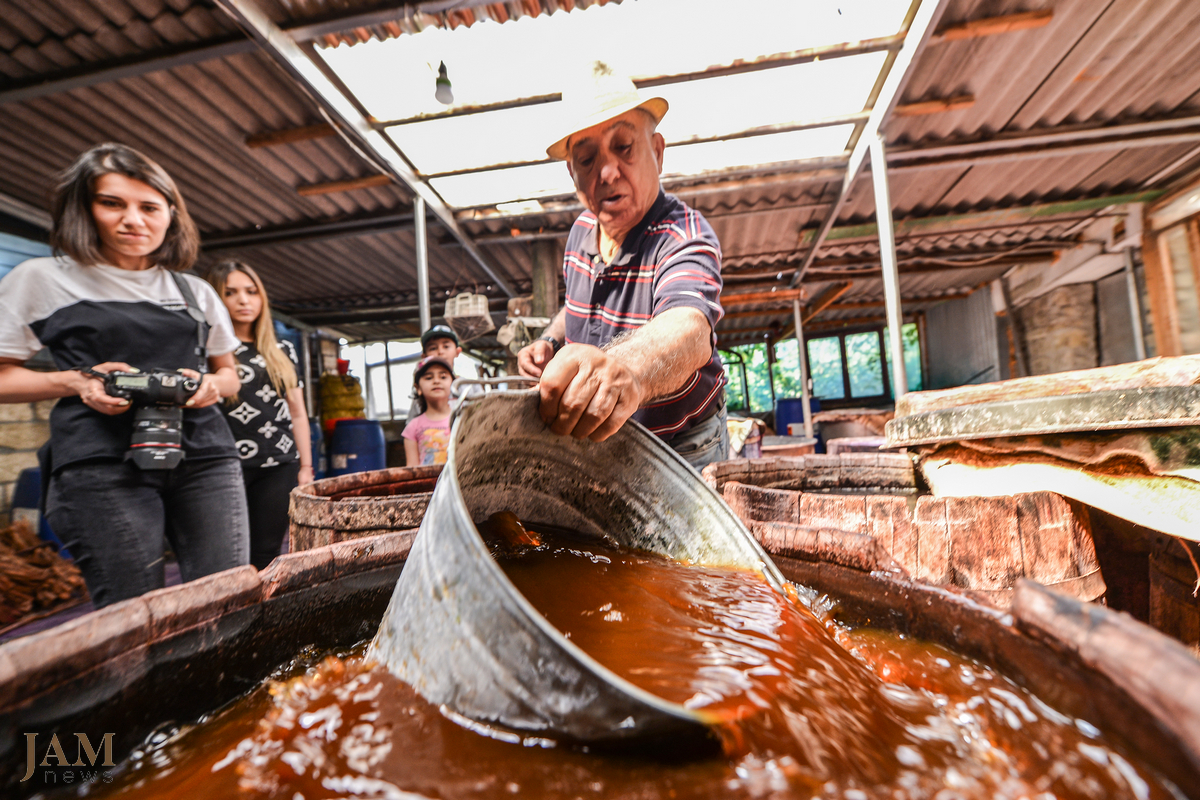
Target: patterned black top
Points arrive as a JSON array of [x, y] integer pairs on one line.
[[259, 416]]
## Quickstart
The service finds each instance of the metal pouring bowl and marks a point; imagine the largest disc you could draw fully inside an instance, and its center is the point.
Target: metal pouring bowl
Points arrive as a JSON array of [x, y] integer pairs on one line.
[[461, 634]]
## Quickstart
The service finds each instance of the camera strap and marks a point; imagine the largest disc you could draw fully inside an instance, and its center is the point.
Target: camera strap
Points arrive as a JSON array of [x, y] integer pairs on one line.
[[193, 310]]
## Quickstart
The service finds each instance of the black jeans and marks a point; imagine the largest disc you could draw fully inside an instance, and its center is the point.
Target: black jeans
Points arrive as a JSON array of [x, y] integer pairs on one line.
[[112, 516], [267, 490]]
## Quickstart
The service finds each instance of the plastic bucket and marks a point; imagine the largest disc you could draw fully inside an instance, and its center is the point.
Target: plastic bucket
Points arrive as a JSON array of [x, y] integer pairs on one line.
[[357, 445], [460, 633]]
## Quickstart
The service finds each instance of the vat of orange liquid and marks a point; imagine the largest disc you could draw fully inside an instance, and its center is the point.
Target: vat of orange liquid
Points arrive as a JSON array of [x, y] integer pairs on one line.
[[461, 634], [359, 504], [981, 544]]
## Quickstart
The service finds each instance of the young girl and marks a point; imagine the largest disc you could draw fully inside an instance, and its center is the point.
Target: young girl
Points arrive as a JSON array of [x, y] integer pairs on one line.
[[427, 437], [267, 417]]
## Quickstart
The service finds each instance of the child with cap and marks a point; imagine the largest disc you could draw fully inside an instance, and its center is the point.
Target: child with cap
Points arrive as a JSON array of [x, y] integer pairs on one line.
[[427, 436], [440, 342]]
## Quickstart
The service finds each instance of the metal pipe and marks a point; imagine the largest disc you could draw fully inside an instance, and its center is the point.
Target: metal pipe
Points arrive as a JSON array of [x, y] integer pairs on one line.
[[1135, 306], [345, 114], [387, 370], [891, 273], [422, 262], [306, 366], [804, 402], [749, 133]]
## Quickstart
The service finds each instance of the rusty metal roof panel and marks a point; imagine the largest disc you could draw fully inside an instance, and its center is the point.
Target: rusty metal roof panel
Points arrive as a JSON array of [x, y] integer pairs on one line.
[[51, 36], [194, 120]]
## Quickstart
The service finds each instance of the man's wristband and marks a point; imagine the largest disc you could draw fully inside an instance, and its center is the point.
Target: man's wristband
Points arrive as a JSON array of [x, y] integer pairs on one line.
[[555, 343]]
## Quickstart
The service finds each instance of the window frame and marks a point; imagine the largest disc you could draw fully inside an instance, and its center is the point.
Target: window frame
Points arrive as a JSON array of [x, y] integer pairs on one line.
[[848, 400]]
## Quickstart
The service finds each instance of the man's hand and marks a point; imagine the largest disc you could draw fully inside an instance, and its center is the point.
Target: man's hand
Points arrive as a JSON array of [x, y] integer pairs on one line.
[[91, 389], [534, 357], [586, 393], [209, 391]]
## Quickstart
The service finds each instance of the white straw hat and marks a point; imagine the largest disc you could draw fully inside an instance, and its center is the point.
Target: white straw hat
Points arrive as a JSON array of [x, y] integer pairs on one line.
[[603, 96]]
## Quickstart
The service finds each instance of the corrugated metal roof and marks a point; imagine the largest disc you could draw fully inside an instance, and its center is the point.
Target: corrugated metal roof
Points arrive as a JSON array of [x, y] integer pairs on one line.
[[1093, 64]]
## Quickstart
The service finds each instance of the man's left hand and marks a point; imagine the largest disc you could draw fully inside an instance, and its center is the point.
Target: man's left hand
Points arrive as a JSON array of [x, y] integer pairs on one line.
[[587, 394]]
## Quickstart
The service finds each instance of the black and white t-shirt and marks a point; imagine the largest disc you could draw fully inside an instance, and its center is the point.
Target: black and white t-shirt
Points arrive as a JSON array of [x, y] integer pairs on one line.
[[89, 315], [259, 416]]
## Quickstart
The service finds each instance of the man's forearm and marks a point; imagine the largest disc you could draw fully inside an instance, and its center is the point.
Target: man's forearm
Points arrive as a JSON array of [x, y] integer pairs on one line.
[[557, 329], [664, 352]]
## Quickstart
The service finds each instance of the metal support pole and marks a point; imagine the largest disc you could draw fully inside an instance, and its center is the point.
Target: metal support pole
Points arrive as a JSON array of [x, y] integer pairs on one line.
[[804, 401], [422, 262], [306, 368], [370, 401], [771, 369], [387, 368], [1135, 306], [887, 257]]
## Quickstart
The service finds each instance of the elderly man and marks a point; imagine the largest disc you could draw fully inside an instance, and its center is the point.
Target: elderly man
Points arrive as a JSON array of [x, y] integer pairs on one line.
[[643, 288]]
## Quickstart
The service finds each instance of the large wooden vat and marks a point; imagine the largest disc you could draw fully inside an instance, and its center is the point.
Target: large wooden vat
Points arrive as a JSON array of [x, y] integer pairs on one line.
[[359, 504], [982, 544], [177, 653]]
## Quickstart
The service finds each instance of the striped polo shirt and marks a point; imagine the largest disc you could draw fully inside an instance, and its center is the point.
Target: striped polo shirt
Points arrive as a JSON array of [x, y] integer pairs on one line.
[[670, 259]]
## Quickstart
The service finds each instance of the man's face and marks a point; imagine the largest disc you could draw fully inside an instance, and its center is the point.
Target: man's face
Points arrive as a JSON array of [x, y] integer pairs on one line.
[[443, 348], [615, 166]]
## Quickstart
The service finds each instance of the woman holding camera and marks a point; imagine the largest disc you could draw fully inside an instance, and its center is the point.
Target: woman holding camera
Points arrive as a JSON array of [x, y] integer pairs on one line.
[[267, 417], [112, 299]]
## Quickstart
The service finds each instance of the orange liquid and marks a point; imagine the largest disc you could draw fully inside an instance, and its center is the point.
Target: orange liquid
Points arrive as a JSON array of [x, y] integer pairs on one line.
[[810, 709]]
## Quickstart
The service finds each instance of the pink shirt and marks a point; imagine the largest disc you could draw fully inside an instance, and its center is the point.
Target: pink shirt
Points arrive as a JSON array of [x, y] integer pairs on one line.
[[432, 438]]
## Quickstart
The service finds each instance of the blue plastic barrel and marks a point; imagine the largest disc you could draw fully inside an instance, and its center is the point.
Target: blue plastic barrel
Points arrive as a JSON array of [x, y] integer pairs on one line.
[[357, 445], [791, 409], [26, 499]]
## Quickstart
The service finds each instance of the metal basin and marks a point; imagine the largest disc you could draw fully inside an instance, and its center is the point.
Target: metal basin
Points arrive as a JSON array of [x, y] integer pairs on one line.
[[459, 632]]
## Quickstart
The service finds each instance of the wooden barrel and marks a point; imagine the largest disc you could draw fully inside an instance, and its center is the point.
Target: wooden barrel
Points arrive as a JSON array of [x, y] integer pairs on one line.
[[359, 504], [1174, 578], [981, 544]]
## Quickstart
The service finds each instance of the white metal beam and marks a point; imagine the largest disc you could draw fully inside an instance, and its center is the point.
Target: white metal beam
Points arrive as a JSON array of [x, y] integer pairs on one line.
[[924, 22], [887, 259], [422, 242], [308, 76], [805, 405]]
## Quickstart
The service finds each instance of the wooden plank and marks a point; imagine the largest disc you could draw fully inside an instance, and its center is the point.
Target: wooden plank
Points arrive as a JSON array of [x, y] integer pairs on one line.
[[1169, 343], [1181, 371], [991, 26], [776, 296], [289, 135], [343, 186], [958, 103]]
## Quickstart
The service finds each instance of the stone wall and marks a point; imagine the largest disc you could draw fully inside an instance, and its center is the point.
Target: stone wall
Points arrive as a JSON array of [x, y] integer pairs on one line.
[[24, 427], [1060, 329]]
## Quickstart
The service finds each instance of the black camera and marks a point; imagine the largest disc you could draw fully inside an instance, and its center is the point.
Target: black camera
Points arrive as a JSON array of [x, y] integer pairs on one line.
[[158, 397]]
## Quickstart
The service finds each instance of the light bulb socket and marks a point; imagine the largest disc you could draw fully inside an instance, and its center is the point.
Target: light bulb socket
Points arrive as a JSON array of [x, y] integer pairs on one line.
[[442, 92]]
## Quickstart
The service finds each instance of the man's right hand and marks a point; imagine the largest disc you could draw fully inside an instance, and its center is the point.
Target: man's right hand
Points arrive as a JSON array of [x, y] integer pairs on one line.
[[91, 389], [534, 357]]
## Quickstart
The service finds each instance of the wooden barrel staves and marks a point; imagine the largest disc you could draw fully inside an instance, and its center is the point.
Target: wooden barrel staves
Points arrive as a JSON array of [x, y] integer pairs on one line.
[[980, 544], [359, 504]]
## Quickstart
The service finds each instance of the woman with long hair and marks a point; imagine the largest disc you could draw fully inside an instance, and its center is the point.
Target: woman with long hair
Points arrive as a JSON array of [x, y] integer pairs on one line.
[[267, 417], [113, 299]]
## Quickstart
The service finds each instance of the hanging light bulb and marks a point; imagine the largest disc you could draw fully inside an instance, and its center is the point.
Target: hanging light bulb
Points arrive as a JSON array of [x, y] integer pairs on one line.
[[442, 93]]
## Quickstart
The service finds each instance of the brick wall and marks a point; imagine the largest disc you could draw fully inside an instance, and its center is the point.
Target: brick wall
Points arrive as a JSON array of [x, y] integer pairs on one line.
[[24, 427], [1060, 329]]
